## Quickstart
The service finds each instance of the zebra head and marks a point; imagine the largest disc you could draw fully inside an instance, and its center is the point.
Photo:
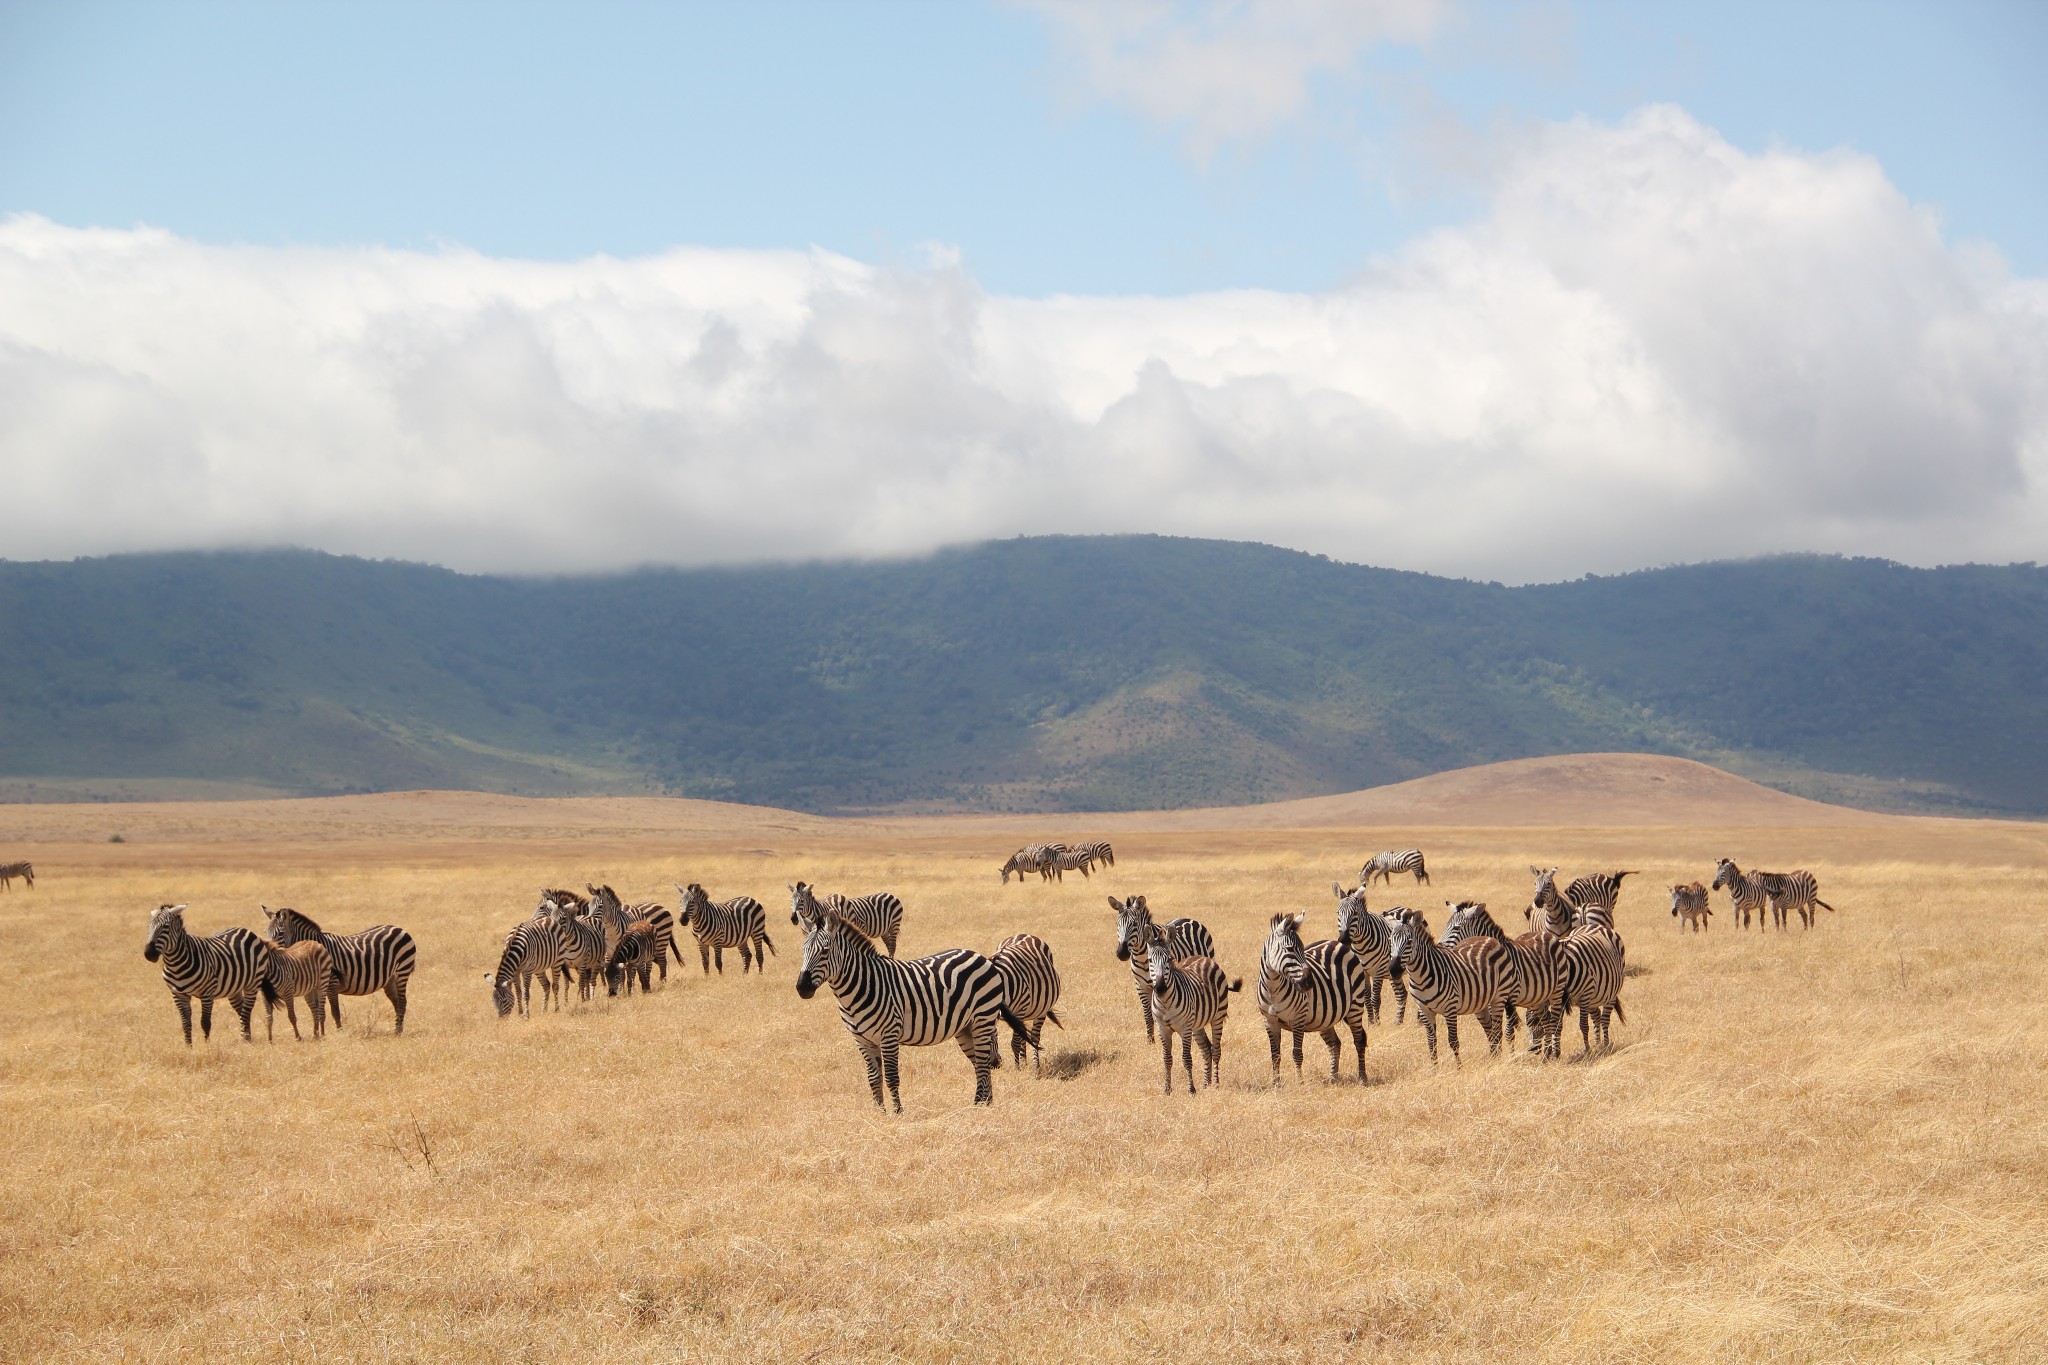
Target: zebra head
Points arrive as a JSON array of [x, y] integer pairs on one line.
[[286, 926], [825, 949], [166, 922], [693, 897], [1545, 894], [1404, 928], [1460, 921], [501, 991], [1158, 957], [804, 909], [1132, 920], [1351, 912], [1283, 955], [1726, 873]]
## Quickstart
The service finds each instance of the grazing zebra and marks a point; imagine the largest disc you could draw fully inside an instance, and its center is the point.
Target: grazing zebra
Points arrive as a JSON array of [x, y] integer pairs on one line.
[[878, 915], [1039, 858], [1473, 978], [227, 964], [1366, 935], [1098, 852], [1689, 907], [1385, 865], [27, 872], [1184, 938], [1592, 966], [1190, 997], [634, 955], [1745, 890], [1310, 989], [379, 958], [605, 901], [586, 947], [306, 968], [532, 949], [1538, 978], [738, 923], [1798, 890], [887, 1004], [1031, 987]]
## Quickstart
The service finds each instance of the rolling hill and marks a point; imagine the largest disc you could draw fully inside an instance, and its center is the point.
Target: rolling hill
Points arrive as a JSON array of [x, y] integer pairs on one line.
[[1046, 673]]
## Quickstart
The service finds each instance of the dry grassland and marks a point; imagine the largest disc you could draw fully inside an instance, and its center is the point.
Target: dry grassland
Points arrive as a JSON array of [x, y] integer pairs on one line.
[[1819, 1146]]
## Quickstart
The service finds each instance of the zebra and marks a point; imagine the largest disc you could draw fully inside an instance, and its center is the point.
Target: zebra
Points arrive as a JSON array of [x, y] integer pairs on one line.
[[634, 955], [1538, 982], [879, 915], [738, 923], [534, 948], [26, 871], [1310, 989], [1596, 888], [575, 904], [605, 901], [1745, 890], [887, 1004], [1098, 851], [586, 944], [1039, 858], [1592, 966], [1385, 865], [380, 958], [227, 964], [1473, 978], [1031, 987], [1190, 997], [1072, 860], [1365, 934], [1184, 938], [1798, 890], [1689, 907], [306, 968]]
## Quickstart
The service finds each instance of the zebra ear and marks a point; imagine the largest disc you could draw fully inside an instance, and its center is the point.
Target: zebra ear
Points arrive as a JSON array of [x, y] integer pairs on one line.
[[177, 909], [1115, 904], [1299, 916]]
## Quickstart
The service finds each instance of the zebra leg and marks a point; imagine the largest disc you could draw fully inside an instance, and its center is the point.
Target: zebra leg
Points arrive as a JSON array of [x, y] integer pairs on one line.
[[871, 1054], [394, 989], [1491, 1023], [1513, 1023], [984, 1052], [245, 1007], [889, 1047], [1273, 1042], [1401, 1004], [718, 957], [705, 953], [1166, 1049], [206, 1017], [747, 958], [1428, 1022], [184, 1003], [1451, 1033], [1585, 1034], [334, 998], [320, 1014], [1216, 1052], [1336, 1051], [1372, 1000], [1187, 1061], [1145, 1008], [1297, 1054], [269, 1020], [291, 1012], [1358, 1045]]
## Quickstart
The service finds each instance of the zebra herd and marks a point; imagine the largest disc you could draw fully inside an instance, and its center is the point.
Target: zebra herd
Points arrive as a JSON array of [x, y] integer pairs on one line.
[[294, 959], [1780, 894], [1053, 861]]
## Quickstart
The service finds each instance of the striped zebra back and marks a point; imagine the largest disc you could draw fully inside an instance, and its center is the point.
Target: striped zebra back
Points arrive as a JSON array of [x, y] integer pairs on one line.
[[1031, 983], [879, 915]]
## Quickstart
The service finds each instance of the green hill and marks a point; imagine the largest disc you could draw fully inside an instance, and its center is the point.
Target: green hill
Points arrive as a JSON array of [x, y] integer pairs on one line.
[[1053, 672]]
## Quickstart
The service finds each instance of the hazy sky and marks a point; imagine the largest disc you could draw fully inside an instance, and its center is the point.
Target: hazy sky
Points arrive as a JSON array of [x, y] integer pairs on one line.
[[1514, 291]]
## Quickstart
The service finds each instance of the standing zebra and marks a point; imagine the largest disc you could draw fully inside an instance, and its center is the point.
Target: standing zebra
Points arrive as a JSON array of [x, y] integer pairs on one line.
[[1098, 851], [1601, 889], [879, 915], [586, 946], [227, 964], [1385, 865], [1689, 907], [305, 969], [1031, 987], [1798, 890], [1310, 989], [738, 923], [617, 915], [887, 1004], [1538, 977], [1367, 936], [1184, 938], [27, 872], [1745, 890], [532, 949], [1190, 997], [1072, 860], [1592, 966], [379, 958], [1473, 978]]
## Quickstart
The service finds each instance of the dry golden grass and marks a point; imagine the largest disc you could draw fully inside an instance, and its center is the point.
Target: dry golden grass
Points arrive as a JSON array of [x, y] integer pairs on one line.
[[1823, 1145]]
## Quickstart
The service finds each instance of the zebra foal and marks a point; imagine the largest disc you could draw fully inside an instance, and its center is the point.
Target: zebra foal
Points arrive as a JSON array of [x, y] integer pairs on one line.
[[888, 1005], [227, 965], [1184, 938], [1689, 907], [304, 969], [1310, 989], [1031, 987], [1190, 997]]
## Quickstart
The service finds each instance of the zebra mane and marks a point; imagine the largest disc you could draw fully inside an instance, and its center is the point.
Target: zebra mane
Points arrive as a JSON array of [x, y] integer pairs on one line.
[[298, 919]]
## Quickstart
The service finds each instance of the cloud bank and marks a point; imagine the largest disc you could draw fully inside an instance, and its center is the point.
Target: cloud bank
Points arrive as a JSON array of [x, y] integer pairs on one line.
[[1653, 347]]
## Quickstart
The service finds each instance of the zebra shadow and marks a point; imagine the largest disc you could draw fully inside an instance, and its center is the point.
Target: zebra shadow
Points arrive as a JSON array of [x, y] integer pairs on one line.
[[1068, 1063]]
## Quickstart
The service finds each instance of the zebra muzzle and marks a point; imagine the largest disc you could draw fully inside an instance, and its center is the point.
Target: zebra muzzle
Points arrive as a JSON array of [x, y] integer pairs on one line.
[[806, 985]]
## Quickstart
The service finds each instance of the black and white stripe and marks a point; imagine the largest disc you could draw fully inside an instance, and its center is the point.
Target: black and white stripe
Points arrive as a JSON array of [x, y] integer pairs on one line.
[[1072, 860], [1368, 938], [380, 958], [1310, 989], [304, 969], [633, 956], [9, 871], [1592, 966], [1184, 938], [879, 914], [532, 949], [1190, 997], [1040, 858], [1385, 865], [738, 923], [586, 946], [1538, 976], [888, 1005], [1097, 851], [229, 964], [1473, 978], [1798, 890], [1745, 891], [1031, 988]]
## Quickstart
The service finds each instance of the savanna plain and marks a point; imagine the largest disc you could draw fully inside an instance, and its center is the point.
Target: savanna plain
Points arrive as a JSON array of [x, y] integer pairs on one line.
[[1824, 1145]]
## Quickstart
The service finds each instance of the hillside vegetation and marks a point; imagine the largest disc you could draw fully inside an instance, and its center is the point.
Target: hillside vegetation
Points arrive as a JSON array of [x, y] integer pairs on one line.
[[1041, 673]]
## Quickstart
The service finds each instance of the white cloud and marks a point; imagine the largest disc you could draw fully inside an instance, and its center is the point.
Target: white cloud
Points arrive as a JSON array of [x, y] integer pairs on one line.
[[1225, 71], [1653, 347]]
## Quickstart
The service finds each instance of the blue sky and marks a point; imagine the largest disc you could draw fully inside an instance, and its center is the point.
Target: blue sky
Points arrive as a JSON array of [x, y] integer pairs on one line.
[[558, 131], [1504, 290]]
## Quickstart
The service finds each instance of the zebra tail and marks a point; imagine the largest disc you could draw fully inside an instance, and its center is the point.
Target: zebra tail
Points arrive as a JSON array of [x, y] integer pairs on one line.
[[1054, 1017], [766, 941], [1824, 905], [268, 990], [1016, 1024], [1619, 1012], [1236, 985]]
